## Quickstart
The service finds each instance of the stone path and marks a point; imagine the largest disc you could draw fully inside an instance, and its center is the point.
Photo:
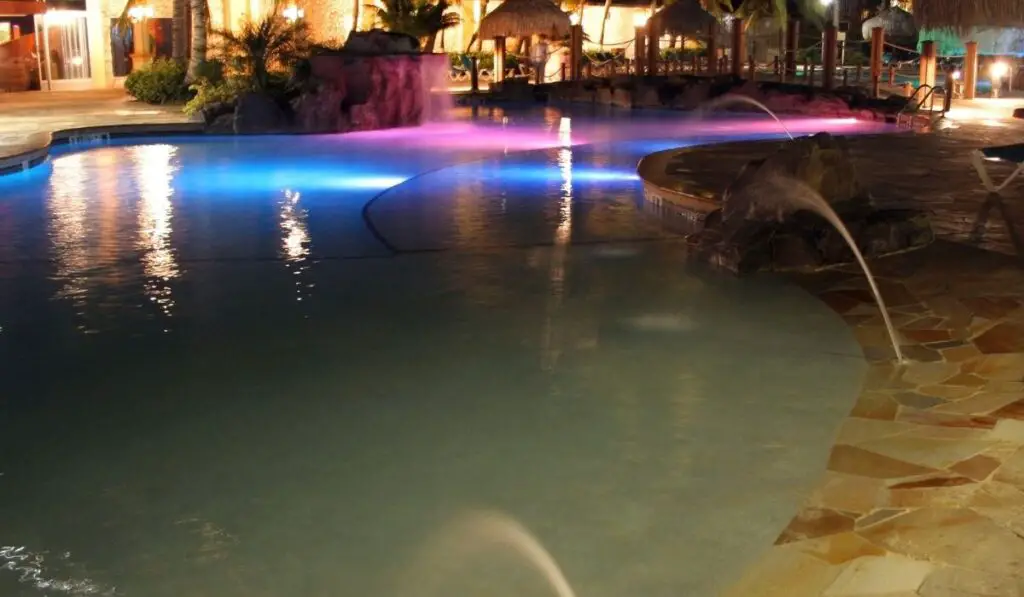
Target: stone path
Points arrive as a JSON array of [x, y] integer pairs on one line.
[[924, 492], [26, 119], [930, 171]]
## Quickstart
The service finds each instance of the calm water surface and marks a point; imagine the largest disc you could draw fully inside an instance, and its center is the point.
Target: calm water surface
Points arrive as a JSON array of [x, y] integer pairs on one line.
[[277, 366]]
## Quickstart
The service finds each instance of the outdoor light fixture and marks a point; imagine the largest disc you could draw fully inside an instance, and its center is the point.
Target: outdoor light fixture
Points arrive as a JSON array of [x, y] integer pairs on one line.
[[999, 70], [140, 12], [574, 19], [826, 2], [293, 13], [956, 75], [640, 18]]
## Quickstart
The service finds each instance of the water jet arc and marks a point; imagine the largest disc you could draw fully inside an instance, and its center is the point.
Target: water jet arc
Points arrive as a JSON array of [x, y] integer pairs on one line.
[[732, 98]]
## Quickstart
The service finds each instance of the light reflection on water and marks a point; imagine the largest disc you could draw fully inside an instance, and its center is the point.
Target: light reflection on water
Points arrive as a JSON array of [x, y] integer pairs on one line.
[[557, 382], [154, 174]]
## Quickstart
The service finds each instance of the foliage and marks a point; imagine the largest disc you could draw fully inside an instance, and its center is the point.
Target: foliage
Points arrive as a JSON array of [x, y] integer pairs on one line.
[[683, 54], [812, 55], [261, 46], [210, 70], [160, 82], [206, 93], [485, 60], [418, 18], [855, 57]]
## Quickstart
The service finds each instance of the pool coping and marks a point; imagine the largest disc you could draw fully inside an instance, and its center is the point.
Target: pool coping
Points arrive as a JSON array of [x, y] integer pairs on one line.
[[40, 144]]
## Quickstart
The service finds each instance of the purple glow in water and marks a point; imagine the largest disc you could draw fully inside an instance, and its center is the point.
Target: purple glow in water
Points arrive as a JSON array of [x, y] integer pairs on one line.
[[494, 136]]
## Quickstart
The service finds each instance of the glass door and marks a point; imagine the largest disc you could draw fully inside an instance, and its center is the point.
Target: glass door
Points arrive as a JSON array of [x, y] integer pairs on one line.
[[64, 52]]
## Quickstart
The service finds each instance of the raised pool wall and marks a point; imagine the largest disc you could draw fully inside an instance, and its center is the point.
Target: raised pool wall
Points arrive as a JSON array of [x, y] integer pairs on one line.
[[363, 93]]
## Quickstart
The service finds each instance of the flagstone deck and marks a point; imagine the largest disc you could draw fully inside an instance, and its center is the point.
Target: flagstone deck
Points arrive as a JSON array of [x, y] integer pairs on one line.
[[924, 492]]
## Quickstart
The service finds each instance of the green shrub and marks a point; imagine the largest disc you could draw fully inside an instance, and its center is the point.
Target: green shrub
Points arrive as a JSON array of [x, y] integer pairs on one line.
[[160, 82], [210, 70], [207, 93]]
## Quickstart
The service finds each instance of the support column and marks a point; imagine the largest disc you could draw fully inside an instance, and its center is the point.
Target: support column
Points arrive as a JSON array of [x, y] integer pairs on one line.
[[971, 70], [653, 49], [877, 48], [739, 48], [575, 51], [829, 51], [792, 44], [926, 73], [499, 59], [639, 50], [712, 48]]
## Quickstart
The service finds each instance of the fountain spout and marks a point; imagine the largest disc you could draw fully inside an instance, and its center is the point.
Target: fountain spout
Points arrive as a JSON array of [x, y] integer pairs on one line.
[[732, 98]]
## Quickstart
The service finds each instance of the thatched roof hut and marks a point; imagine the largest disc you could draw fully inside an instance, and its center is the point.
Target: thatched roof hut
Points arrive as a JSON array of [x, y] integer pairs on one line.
[[962, 15], [523, 18], [896, 22], [683, 17]]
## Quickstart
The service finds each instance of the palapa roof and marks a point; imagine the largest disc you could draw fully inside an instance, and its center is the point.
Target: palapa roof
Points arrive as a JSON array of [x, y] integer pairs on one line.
[[961, 15], [522, 18], [683, 17], [894, 20]]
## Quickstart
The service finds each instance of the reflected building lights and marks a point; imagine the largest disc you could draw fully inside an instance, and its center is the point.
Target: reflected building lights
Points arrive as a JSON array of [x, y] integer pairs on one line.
[[563, 233], [295, 243], [68, 226], [154, 173]]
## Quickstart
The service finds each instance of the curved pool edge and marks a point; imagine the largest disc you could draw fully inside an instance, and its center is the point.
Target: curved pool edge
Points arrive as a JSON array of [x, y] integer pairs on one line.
[[924, 466], [36, 148]]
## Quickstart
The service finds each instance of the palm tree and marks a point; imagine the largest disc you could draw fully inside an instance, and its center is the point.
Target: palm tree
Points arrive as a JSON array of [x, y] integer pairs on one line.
[[418, 18], [179, 36], [200, 26], [259, 46]]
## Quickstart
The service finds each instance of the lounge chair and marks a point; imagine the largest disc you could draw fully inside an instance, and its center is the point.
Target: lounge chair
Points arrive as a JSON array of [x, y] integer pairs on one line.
[[1001, 153]]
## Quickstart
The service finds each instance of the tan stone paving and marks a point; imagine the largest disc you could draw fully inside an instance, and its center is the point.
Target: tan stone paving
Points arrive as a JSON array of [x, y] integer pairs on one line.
[[26, 119], [924, 490]]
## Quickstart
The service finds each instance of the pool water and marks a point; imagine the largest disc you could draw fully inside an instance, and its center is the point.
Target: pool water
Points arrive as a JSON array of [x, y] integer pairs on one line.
[[279, 366]]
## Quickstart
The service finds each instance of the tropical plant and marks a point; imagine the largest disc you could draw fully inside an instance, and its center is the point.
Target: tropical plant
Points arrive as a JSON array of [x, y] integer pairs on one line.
[[208, 92], [179, 35], [421, 19], [160, 82], [260, 46]]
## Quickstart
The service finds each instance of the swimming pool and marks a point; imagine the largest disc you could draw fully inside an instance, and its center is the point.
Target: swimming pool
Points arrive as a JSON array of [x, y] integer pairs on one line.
[[281, 365]]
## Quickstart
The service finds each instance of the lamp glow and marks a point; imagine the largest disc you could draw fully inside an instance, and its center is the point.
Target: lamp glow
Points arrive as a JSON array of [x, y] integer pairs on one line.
[[293, 13], [999, 70], [140, 12], [574, 19], [640, 18], [956, 75]]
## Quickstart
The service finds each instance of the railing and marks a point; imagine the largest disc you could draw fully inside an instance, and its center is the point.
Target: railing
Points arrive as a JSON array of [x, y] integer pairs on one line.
[[913, 107]]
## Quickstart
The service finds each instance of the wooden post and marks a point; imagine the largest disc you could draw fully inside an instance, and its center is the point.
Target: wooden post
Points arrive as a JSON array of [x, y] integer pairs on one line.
[[713, 48], [971, 70], [575, 51], [775, 67], [830, 45], [751, 68], [739, 48], [892, 74], [561, 72], [653, 49], [846, 77], [877, 47], [927, 71], [639, 50], [694, 63], [499, 59], [589, 69], [474, 75], [808, 73], [947, 101], [792, 43], [860, 72]]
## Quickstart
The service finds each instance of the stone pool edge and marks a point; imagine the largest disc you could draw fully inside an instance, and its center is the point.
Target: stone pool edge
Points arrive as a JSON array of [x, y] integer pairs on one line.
[[40, 144], [924, 485]]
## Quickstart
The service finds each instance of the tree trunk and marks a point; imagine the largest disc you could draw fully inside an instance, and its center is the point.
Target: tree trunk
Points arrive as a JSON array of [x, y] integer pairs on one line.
[[355, 15], [607, 7], [199, 22], [179, 34]]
